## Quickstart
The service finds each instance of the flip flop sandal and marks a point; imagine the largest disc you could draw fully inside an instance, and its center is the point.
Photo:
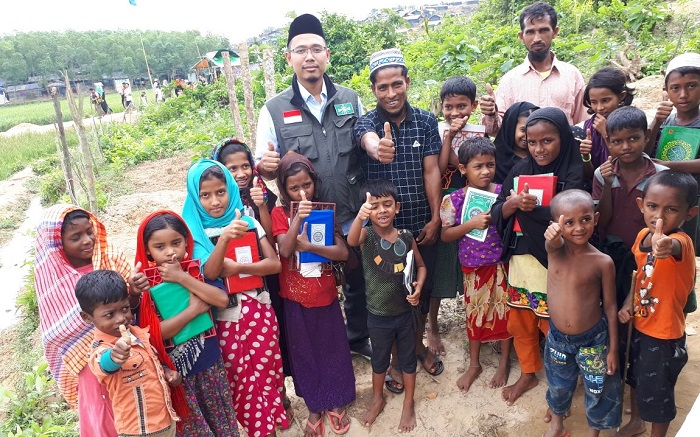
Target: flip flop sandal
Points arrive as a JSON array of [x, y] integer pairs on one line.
[[339, 421], [392, 385], [315, 427], [438, 366]]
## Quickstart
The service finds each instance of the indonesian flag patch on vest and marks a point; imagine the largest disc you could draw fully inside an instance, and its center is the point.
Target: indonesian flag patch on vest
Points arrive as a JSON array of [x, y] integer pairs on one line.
[[293, 116]]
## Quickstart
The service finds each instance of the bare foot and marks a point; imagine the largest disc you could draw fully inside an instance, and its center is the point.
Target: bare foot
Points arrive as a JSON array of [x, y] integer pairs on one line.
[[408, 418], [396, 375], [548, 415], [501, 377], [633, 427], [371, 415], [468, 377], [556, 432], [435, 342], [527, 381]]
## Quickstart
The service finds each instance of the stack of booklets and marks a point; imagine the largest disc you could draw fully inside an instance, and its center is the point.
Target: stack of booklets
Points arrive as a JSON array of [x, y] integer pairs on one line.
[[244, 250], [678, 143], [543, 186]]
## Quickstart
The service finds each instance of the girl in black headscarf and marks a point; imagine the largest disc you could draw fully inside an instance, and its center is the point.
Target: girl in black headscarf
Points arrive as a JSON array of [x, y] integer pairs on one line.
[[510, 142], [551, 150]]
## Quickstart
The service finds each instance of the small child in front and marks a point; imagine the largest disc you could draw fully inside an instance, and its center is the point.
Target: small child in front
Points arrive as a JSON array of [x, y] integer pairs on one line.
[[123, 359], [666, 273], [582, 336], [390, 317]]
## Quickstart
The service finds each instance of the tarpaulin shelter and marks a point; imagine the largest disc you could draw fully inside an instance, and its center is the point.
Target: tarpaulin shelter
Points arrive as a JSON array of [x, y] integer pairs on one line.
[[215, 59]]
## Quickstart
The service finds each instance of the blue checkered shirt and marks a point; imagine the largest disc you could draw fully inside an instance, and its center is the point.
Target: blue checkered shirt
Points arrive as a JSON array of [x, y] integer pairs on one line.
[[416, 138]]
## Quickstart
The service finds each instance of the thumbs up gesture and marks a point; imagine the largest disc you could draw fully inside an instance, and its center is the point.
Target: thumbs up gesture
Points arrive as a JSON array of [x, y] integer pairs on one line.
[[487, 102], [305, 206], [606, 171], [664, 109], [385, 148], [236, 229], [137, 280], [554, 230], [457, 125], [586, 146], [122, 348], [524, 201], [661, 244], [270, 160], [365, 209], [256, 193]]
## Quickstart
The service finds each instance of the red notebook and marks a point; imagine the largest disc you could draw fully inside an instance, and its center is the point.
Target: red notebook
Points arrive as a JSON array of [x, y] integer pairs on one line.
[[542, 186], [245, 250]]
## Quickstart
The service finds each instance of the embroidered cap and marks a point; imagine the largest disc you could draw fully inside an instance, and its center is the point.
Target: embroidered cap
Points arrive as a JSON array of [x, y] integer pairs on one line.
[[385, 58], [685, 60], [305, 23]]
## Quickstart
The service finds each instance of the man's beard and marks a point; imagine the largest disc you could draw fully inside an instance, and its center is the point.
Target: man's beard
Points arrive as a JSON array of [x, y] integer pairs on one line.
[[537, 56]]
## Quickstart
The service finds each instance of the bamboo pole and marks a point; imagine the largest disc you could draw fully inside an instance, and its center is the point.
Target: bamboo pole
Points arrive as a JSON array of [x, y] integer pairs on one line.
[[269, 73], [63, 146], [232, 99], [248, 93]]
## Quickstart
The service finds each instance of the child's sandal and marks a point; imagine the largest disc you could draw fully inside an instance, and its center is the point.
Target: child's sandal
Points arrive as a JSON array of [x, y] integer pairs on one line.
[[336, 422]]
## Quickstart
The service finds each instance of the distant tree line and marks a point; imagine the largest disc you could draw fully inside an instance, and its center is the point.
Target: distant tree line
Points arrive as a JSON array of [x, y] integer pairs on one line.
[[93, 54]]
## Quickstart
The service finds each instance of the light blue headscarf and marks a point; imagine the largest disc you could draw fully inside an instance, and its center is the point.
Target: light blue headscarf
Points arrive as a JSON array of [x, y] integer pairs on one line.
[[198, 219]]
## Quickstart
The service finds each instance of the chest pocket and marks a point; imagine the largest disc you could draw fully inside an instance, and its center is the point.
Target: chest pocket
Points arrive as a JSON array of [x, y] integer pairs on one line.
[[299, 138], [343, 134]]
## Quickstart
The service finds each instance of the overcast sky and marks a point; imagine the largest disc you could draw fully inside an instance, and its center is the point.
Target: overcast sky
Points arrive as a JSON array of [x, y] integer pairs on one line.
[[235, 19]]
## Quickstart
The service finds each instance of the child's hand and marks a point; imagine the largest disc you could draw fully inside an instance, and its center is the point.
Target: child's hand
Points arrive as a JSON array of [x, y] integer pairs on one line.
[[197, 305], [414, 298], [138, 281], [487, 102], [626, 313], [599, 124], [664, 109], [236, 229], [611, 363], [553, 232], [303, 239], [457, 125], [365, 209], [304, 206], [172, 376], [256, 193], [122, 348], [524, 201], [171, 271], [661, 244], [385, 148], [606, 171], [586, 145], [481, 221]]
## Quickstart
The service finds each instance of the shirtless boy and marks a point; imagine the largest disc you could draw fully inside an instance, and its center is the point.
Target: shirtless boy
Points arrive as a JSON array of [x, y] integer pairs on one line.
[[580, 339]]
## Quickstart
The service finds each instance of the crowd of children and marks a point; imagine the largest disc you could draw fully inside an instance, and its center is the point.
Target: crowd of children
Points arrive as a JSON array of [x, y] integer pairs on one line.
[[533, 263]]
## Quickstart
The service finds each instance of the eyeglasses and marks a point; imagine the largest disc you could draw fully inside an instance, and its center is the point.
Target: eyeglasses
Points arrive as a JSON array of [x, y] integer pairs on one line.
[[316, 50]]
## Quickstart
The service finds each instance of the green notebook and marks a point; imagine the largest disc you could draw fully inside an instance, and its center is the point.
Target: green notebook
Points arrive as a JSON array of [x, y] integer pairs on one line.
[[171, 299], [678, 143]]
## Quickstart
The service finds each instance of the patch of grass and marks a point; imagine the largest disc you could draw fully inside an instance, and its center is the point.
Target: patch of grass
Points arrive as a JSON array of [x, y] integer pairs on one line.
[[11, 216], [18, 151], [41, 113]]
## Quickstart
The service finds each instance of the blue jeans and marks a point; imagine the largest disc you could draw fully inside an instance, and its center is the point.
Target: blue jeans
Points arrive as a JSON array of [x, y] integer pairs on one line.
[[565, 356]]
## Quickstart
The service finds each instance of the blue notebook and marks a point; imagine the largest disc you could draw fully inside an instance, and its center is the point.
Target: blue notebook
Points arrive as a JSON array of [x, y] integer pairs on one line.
[[320, 231]]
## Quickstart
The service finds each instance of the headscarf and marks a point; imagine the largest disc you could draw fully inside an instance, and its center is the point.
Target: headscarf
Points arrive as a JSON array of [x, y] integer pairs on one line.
[[149, 317], [269, 196], [568, 168], [66, 337], [505, 139], [285, 164], [198, 219]]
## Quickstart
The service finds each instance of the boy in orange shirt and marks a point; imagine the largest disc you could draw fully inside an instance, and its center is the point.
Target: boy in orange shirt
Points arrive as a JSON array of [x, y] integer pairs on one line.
[[665, 260], [123, 359]]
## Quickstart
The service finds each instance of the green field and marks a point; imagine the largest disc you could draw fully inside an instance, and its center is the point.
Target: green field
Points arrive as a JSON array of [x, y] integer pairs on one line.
[[19, 151], [41, 113]]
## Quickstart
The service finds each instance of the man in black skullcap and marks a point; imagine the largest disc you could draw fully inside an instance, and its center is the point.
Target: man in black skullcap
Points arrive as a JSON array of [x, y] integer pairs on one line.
[[315, 117]]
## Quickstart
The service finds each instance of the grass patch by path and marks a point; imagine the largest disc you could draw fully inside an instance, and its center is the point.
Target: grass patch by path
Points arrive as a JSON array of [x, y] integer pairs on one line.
[[21, 150]]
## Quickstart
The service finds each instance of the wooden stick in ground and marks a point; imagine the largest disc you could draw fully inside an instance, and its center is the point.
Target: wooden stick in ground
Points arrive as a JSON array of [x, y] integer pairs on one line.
[[630, 326]]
